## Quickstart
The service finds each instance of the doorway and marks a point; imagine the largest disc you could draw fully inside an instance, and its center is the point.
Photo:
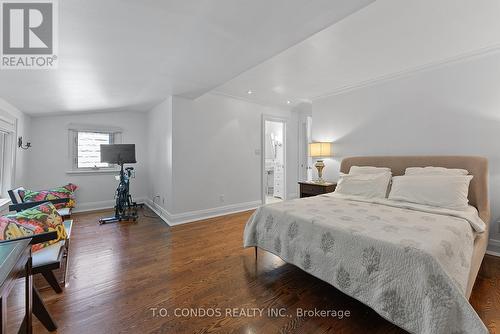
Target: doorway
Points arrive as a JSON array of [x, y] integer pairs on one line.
[[305, 138], [274, 160]]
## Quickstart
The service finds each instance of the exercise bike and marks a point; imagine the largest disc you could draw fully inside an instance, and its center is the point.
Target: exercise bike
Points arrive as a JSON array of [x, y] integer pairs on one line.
[[125, 207]]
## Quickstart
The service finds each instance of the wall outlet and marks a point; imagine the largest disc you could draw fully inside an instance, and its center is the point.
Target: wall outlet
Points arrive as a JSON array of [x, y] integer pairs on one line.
[[221, 198]]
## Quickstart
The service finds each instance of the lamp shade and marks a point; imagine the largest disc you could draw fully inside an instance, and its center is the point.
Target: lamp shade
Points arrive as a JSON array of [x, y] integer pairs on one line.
[[321, 149]]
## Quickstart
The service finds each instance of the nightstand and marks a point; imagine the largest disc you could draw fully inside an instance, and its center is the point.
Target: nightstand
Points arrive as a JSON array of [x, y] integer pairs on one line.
[[308, 189]]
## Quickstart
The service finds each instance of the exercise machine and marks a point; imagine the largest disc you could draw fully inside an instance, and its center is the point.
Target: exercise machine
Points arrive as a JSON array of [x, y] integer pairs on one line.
[[125, 207]]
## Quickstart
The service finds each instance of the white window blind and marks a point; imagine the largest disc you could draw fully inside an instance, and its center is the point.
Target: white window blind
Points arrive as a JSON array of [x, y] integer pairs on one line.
[[89, 148], [85, 147]]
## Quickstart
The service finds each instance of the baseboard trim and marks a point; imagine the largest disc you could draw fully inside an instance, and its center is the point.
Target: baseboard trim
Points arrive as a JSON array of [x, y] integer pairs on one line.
[[494, 242], [492, 253], [101, 205], [161, 212], [93, 206], [193, 216]]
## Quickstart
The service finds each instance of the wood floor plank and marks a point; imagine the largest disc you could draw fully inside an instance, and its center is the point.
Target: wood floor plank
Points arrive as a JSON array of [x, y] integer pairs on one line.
[[119, 272]]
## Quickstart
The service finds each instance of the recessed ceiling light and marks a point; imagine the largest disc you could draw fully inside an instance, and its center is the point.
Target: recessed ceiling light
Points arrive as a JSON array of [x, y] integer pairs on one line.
[[249, 92], [288, 102]]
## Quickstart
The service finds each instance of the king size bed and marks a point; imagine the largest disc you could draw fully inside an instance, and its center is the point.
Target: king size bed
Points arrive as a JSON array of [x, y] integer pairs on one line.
[[414, 264]]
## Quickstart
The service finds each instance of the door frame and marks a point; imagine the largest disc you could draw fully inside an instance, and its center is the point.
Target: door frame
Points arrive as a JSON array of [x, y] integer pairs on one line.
[[284, 120]]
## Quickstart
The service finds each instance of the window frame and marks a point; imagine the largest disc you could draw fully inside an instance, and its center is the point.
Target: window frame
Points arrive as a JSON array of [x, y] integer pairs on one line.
[[3, 139], [115, 138], [8, 128]]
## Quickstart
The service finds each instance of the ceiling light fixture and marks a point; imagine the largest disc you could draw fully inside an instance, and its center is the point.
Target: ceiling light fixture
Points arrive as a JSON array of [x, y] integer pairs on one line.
[[249, 92], [288, 102]]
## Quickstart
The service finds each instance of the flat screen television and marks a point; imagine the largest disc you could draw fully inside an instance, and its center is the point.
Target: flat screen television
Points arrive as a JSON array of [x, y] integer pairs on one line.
[[118, 153]]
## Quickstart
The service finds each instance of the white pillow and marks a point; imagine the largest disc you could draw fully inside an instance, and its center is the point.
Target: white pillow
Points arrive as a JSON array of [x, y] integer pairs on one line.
[[444, 191], [435, 171], [356, 170], [366, 185]]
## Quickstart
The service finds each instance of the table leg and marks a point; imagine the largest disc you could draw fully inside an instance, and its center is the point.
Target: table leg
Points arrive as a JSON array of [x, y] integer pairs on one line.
[[29, 296], [3, 318], [26, 325], [41, 312]]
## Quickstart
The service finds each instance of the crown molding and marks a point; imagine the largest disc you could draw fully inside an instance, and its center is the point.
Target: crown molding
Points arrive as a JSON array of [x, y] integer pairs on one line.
[[465, 56], [240, 98]]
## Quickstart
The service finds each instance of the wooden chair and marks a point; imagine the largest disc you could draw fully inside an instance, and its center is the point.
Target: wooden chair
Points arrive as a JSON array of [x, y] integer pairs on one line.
[[16, 199], [53, 257]]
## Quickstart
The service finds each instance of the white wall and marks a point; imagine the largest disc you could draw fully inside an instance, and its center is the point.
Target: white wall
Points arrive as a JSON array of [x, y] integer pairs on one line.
[[23, 129], [49, 156], [160, 155], [451, 109], [303, 110], [216, 154]]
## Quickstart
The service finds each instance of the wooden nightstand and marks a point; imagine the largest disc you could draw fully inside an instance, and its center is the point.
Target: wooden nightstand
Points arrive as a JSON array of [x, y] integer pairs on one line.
[[308, 189]]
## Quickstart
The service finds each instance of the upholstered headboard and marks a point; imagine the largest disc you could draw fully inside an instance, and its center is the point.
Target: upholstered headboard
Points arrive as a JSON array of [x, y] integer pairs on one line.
[[477, 166]]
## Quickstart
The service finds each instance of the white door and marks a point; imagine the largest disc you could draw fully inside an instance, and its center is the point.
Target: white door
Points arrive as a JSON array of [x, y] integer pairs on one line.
[[305, 138], [308, 141]]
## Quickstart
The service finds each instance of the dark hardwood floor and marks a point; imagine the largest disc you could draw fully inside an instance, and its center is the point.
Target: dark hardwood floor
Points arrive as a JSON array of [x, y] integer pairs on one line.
[[120, 272]]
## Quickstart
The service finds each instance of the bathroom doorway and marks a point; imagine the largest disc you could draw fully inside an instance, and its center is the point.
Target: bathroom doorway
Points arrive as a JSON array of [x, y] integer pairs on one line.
[[274, 160]]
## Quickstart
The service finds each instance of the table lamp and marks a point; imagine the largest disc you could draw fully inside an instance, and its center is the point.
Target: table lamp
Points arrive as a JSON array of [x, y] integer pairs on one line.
[[320, 150]]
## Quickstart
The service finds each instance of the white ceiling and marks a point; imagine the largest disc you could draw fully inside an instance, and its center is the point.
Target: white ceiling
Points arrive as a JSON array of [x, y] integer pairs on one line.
[[130, 55], [384, 39]]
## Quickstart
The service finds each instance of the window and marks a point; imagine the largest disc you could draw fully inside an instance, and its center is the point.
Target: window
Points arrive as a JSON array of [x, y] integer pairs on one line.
[[85, 147], [3, 159], [7, 148], [8, 129], [89, 149]]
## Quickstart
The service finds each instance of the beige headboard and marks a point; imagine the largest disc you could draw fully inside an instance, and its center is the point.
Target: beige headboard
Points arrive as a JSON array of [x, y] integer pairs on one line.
[[477, 166]]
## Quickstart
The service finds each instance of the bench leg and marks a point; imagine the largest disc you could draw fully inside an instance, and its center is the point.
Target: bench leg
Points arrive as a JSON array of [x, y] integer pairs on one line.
[[66, 263], [52, 280], [40, 311]]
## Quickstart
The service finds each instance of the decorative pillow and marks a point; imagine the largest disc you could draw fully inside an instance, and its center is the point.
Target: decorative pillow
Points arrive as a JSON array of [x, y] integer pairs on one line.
[[435, 171], [39, 219], [444, 191], [66, 191], [366, 185], [356, 170]]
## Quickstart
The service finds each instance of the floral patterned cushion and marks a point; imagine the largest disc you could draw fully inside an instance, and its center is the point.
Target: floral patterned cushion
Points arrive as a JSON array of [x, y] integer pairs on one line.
[[39, 219], [66, 191]]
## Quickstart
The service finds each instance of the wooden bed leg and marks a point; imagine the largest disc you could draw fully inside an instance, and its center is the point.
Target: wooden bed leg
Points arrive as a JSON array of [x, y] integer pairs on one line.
[[255, 253]]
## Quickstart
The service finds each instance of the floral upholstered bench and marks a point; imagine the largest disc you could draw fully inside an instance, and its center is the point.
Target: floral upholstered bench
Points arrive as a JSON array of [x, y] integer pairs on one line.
[[62, 197], [47, 257]]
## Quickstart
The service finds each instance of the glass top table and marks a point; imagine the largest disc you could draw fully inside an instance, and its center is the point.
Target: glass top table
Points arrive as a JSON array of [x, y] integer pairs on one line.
[[15, 262], [10, 252]]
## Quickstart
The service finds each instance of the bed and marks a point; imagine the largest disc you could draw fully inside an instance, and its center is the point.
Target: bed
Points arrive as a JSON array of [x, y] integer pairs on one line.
[[414, 265]]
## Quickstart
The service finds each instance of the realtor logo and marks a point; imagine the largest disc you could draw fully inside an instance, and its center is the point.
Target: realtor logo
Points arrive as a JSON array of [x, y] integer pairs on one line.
[[29, 34]]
